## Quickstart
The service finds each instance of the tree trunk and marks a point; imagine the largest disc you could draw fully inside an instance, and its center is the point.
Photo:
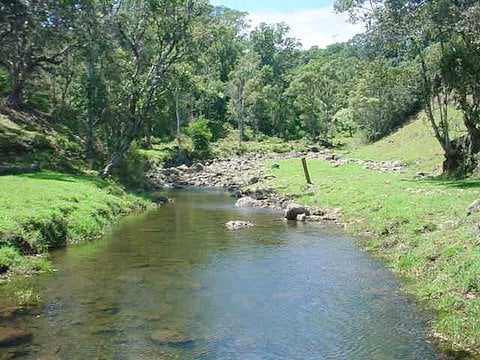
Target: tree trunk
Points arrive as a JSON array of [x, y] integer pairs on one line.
[[117, 158], [15, 99], [114, 161], [89, 145], [177, 114]]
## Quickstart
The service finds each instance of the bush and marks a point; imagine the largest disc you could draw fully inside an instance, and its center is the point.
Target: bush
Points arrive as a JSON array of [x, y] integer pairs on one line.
[[131, 172], [9, 257], [201, 135]]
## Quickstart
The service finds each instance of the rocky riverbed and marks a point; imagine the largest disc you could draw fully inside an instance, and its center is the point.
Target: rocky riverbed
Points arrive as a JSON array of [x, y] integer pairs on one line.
[[244, 177]]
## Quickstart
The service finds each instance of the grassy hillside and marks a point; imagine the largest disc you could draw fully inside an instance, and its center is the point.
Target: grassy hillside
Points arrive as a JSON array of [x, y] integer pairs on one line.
[[50, 208], [45, 210], [27, 139], [413, 144]]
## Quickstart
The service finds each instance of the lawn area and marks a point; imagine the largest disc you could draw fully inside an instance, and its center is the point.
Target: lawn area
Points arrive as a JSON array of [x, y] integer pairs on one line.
[[419, 227], [45, 210]]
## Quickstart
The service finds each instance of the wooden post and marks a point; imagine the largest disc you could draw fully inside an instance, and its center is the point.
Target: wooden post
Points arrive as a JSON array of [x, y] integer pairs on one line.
[[305, 170]]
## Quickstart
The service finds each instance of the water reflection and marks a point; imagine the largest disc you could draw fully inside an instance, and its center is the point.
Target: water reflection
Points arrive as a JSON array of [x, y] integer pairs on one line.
[[175, 283]]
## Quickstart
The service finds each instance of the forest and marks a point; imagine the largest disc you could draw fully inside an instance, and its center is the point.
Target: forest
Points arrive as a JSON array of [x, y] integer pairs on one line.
[[123, 75]]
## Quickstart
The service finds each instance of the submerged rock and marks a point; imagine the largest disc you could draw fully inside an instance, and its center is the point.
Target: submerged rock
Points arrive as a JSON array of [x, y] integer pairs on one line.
[[238, 224], [293, 210], [302, 217], [11, 337], [170, 338], [246, 202]]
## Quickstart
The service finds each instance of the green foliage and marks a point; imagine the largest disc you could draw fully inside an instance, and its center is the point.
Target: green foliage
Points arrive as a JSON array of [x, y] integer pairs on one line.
[[4, 82], [131, 172], [384, 98], [200, 134], [26, 296], [9, 257]]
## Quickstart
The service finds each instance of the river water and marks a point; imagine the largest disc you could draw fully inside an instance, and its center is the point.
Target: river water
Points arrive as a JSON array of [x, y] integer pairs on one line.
[[175, 284]]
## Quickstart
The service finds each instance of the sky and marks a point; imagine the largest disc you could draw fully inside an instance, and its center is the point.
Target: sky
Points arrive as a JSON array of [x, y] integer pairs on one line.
[[313, 22]]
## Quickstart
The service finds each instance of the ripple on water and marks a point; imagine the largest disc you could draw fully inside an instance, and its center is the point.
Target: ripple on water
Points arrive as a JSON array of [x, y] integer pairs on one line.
[[175, 283]]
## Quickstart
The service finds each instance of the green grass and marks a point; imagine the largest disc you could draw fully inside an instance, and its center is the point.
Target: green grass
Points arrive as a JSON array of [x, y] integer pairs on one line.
[[419, 227], [45, 210], [413, 144]]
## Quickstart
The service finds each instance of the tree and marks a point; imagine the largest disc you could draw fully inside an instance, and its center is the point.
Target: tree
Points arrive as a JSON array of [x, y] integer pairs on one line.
[[242, 84], [33, 36], [152, 36], [313, 98], [430, 31]]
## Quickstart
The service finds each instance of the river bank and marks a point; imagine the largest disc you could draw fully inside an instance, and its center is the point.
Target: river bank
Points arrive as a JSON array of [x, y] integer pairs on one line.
[[423, 228], [46, 210]]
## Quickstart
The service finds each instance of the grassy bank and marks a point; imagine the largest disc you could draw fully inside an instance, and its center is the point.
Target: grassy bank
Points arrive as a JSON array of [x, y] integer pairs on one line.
[[45, 210], [419, 227]]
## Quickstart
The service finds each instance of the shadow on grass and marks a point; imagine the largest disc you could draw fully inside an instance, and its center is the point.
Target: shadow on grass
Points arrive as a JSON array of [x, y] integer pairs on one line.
[[448, 182], [65, 177], [298, 196]]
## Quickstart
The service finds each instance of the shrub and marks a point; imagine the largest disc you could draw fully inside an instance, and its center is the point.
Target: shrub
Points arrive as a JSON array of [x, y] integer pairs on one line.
[[131, 172], [9, 257], [201, 135]]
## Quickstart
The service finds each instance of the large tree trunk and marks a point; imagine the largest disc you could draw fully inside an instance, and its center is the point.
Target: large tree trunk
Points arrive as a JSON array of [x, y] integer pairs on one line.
[[15, 99]]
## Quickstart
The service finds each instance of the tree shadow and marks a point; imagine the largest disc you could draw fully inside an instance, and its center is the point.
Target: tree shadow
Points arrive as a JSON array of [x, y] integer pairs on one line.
[[448, 182], [65, 177]]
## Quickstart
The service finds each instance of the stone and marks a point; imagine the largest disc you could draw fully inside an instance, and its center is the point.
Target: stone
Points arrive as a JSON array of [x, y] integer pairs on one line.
[[259, 193], [474, 207], [253, 180], [275, 166], [11, 337], [170, 338], [183, 168], [197, 168], [246, 202], [293, 210], [302, 217], [160, 199], [238, 224]]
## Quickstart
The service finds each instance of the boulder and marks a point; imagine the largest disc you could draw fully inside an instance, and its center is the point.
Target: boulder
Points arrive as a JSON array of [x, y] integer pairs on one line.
[[247, 202], [238, 224], [293, 210]]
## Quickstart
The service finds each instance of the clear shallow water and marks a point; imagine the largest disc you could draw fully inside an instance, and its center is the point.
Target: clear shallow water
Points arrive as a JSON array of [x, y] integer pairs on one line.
[[175, 284]]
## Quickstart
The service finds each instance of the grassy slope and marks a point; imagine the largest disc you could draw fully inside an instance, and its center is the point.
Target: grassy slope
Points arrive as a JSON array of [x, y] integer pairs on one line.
[[420, 227], [48, 209], [414, 144]]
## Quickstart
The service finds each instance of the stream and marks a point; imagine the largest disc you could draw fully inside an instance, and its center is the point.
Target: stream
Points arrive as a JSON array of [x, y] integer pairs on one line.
[[176, 284]]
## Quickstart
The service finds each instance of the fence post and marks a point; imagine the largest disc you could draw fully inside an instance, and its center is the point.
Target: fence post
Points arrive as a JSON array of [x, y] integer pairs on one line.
[[305, 170]]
